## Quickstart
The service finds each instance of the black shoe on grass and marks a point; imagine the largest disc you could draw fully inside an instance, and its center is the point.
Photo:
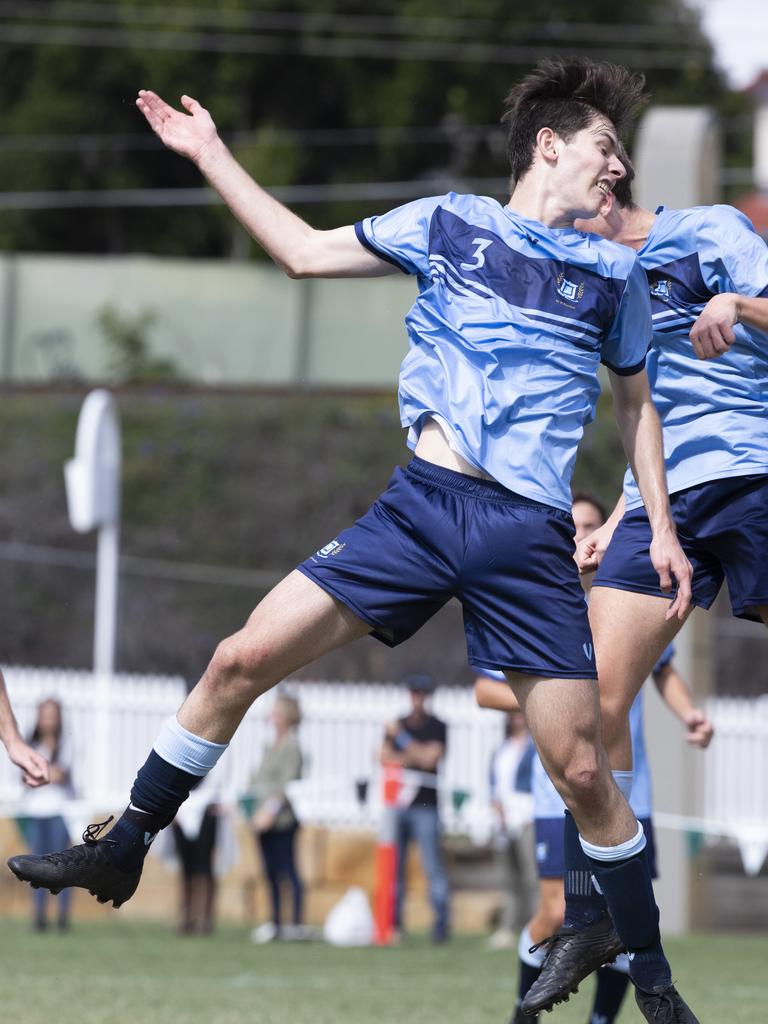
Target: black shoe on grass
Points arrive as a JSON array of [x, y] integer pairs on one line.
[[524, 1018], [88, 866], [573, 954], [663, 1004]]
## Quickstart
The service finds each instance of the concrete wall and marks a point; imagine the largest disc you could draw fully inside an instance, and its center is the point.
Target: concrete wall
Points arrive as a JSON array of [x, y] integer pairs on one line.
[[220, 322]]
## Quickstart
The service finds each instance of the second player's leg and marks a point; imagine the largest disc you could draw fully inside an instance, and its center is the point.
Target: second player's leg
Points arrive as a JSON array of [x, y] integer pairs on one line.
[[630, 633]]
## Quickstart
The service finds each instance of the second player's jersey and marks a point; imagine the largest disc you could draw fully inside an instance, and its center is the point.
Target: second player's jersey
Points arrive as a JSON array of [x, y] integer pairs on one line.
[[714, 412], [507, 332]]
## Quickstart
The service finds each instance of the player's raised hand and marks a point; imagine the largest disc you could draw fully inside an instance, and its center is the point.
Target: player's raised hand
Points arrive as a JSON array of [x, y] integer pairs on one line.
[[712, 334], [700, 729], [188, 134], [670, 563], [34, 767]]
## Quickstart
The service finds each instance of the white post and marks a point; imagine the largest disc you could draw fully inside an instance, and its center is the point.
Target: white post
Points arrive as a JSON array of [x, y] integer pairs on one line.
[[93, 496]]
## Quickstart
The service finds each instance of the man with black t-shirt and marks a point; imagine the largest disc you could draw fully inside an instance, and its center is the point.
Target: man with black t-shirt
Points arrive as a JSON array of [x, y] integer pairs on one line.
[[417, 742]]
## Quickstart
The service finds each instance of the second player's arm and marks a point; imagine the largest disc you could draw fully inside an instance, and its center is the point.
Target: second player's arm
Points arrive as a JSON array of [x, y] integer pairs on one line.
[[301, 250], [678, 697], [640, 431]]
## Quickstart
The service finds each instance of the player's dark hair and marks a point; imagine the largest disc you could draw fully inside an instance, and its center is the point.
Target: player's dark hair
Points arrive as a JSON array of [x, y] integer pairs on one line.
[[622, 189], [565, 94], [590, 499]]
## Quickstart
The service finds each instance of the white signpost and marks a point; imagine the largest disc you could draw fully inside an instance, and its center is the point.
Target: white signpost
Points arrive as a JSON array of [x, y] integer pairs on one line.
[[92, 481]]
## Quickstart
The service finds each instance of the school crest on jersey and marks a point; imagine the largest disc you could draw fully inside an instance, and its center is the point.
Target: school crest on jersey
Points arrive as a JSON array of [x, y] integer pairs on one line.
[[333, 548], [662, 289], [571, 291]]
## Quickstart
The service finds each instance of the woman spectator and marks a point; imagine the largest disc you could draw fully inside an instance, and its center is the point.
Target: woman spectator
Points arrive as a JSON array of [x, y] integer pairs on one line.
[[43, 808], [274, 821]]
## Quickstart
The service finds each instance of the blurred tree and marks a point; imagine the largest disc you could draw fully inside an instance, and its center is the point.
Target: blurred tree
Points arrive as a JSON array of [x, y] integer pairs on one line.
[[130, 356], [403, 90]]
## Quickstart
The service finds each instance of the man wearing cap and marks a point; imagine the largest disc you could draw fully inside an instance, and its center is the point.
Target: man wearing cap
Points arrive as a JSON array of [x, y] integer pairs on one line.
[[417, 743]]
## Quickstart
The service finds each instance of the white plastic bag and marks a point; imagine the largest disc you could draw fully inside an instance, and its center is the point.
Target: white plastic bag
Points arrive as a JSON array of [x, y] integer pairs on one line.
[[350, 921]]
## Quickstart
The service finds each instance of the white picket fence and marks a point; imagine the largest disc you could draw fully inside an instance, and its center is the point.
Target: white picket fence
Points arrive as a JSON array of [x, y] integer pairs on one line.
[[112, 728]]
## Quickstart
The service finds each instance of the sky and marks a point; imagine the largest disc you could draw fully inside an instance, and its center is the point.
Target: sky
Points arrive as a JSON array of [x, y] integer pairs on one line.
[[739, 32]]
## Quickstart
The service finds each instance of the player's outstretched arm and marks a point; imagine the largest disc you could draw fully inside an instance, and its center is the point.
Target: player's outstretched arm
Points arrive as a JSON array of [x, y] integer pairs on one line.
[[713, 334], [34, 768], [298, 248], [678, 697], [640, 432]]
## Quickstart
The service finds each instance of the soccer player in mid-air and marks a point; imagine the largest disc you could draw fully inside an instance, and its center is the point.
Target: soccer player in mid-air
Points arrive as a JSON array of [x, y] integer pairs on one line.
[[34, 767], [492, 691], [708, 366], [515, 312]]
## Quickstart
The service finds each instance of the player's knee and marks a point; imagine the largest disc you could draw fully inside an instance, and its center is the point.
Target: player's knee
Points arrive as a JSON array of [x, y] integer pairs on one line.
[[237, 665], [582, 777]]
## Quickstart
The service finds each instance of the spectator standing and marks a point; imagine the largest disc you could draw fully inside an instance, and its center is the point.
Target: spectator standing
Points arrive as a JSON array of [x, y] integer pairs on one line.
[[512, 802], [196, 832], [417, 742], [43, 808], [274, 820]]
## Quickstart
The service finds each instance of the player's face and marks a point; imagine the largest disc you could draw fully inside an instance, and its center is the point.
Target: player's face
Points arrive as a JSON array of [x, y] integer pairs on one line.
[[588, 168], [586, 519]]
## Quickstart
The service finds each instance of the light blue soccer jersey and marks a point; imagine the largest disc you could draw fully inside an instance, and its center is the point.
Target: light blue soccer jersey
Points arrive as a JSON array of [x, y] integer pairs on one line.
[[506, 334], [714, 412]]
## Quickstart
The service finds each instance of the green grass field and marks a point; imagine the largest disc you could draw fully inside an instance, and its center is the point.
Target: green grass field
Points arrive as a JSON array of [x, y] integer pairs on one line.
[[124, 973]]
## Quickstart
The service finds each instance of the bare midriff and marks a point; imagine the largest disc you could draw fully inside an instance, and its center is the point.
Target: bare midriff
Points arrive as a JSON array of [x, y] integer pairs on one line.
[[433, 447]]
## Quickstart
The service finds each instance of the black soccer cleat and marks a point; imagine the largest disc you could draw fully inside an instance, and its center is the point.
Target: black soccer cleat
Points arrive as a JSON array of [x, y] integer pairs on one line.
[[88, 866], [524, 1018], [663, 1004], [573, 954]]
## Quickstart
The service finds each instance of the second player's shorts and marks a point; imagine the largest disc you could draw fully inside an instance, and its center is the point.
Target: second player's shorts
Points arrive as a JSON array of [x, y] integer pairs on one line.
[[722, 526], [435, 534], [550, 852]]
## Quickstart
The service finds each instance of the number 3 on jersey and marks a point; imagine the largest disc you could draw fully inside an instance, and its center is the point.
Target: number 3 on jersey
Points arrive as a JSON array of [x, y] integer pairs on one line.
[[480, 245]]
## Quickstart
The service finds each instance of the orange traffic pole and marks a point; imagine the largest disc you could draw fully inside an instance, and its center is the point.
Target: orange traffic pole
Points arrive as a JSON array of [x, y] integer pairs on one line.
[[386, 856]]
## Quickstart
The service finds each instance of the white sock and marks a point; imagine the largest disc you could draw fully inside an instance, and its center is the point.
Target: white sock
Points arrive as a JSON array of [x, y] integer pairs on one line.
[[185, 751], [621, 852], [535, 959]]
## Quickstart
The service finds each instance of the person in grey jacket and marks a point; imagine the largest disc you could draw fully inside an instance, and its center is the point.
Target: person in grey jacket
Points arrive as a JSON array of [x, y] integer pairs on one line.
[[274, 820]]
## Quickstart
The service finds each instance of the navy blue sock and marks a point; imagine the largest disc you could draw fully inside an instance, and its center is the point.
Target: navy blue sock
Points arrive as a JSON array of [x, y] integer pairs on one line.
[[583, 903], [528, 974], [609, 995], [629, 892], [158, 792]]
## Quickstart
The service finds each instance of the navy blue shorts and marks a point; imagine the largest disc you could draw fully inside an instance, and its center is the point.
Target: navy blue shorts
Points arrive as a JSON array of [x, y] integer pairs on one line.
[[550, 852], [435, 534], [722, 526]]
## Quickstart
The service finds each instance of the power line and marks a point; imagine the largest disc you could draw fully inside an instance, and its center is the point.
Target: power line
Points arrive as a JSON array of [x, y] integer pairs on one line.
[[77, 199], [326, 47], [308, 137], [154, 568], [346, 23]]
